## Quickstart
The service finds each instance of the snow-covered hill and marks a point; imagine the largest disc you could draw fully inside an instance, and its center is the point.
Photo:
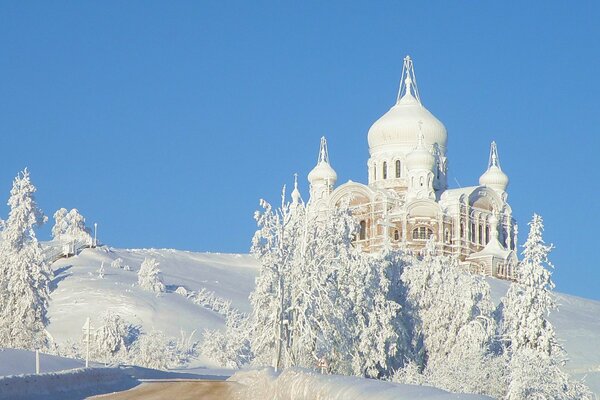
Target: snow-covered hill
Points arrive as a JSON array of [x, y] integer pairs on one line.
[[79, 293]]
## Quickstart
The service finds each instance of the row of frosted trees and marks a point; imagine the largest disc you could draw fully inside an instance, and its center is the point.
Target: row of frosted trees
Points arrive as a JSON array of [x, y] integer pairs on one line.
[[321, 303]]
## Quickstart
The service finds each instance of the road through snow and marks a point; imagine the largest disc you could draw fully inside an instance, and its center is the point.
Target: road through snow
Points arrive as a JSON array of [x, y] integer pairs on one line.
[[174, 389]]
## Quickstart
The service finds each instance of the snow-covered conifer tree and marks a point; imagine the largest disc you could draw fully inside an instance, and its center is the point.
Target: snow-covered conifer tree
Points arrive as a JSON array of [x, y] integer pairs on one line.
[[149, 276], [24, 274], [529, 300], [534, 352]]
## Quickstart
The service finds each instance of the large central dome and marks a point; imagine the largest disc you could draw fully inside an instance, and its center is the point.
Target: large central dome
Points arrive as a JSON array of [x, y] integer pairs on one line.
[[398, 129]]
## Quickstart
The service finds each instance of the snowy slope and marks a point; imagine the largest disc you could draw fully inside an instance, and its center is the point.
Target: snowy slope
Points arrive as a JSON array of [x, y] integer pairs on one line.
[[79, 293]]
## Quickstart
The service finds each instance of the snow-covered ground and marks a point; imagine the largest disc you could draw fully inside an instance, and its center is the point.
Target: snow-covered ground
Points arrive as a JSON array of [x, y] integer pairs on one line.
[[301, 384], [80, 293]]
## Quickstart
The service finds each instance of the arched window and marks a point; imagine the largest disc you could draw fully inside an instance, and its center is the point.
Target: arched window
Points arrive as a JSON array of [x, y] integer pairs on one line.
[[397, 168], [384, 170], [422, 181], [396, 235], [363, 230], [447, 236], [422, 233], [487, 234], [462, 230], [480, 234], [472, 233]]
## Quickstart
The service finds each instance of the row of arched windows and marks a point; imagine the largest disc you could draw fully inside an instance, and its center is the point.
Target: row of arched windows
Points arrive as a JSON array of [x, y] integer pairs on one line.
[[384, 170], [422, 233]]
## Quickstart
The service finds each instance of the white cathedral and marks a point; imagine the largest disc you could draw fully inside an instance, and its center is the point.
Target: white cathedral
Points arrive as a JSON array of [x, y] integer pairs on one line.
[[407, 199]]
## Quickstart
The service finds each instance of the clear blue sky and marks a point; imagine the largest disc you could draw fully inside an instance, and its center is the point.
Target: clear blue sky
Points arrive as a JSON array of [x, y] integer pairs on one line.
[[165, 122]]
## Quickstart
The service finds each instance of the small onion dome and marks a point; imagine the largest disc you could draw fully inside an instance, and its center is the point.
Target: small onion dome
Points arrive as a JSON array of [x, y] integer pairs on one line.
[[494, 178], [295, 192], [322, 173], [420, 157]]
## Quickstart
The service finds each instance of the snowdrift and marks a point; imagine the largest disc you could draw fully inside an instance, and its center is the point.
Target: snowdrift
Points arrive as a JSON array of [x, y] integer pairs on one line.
[[18, 362], [298, 384], [75, 384]]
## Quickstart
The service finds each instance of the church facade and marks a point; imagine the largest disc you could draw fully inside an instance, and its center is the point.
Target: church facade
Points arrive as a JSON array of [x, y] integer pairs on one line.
[[407, 200]]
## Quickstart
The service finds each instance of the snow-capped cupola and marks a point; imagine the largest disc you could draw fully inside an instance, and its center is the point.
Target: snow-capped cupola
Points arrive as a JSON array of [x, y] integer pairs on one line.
[[494, 177], [322, 178], [396, 131], [420, 157], [322, 172], [296, 193]]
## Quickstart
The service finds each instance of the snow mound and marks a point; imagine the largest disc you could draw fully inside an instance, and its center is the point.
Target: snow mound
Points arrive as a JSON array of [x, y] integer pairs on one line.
[[298, 384], [75, 384], [17, 362]]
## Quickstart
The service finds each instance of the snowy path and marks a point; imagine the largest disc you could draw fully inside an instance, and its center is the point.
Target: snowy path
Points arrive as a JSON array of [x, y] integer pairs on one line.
[[174, 389]]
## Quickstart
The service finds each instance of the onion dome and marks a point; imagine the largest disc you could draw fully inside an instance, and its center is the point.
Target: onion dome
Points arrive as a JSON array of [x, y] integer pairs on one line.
[[494, 177], [295, 192], [323, 171], [397, 129], [420, 157]]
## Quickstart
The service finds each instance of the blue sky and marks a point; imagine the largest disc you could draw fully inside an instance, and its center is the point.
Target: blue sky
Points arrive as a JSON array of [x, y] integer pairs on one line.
[[165, 122]]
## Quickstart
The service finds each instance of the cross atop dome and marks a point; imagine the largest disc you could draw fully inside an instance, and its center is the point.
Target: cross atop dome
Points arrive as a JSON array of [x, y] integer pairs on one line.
[[494, 159], [408, 82], [323, 153]]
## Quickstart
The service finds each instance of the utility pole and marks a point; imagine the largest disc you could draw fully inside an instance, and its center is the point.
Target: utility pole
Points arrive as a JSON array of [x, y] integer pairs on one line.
[[86, 330], [95, 234]]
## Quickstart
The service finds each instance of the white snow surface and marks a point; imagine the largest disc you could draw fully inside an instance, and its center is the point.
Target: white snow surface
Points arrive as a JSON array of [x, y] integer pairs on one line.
[[79, 293], [302, 384], [17, 362]]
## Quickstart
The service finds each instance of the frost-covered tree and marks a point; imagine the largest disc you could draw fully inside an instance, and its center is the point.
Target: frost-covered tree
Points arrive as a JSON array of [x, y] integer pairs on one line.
[[451, 313], [529, 301], [274, 245], [101, 271], [154, 350], [24, 274], [117, 263], [70, 225], [535, 375], [317, 297], [113, 339], [444, 299], [534, 352], [230, 348], [149, 276]]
